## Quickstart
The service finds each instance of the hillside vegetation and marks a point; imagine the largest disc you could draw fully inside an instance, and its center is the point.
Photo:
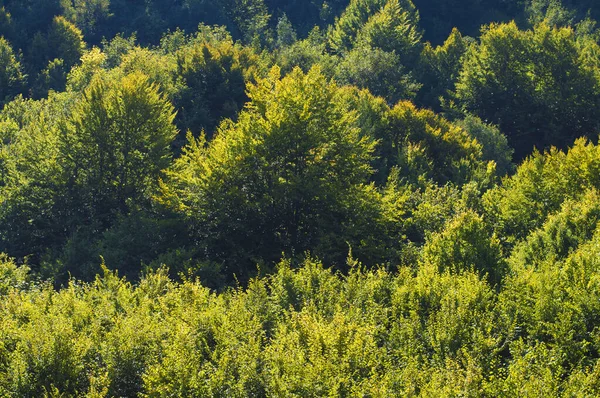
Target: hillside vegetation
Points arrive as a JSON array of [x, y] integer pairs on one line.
[[353, 198]]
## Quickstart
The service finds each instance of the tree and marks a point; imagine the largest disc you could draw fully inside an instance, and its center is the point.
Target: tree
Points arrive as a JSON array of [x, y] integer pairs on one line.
[[63, 40], [30, 17], [290, 175], [466, 244], [378, 43], [214, 76], [12, 79], [379, 71], [249, 16], [53, 77], [393, 29], [305, 16], [438, 70], [494, 144], [541, 184], [555, 298], [286, 35], [535, 85], [7, 26], [438, 19], [398, 16], [307, 53], [427, 146], [116, 143], [563, 232], [160, 68], [67, 178], [32, 181], [552, 12], [88, 15]]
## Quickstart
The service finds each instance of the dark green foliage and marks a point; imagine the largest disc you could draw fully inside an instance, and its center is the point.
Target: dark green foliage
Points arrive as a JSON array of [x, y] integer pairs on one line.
[[63, 40], [440, 17], [379, 71], [29, 17], [494, 144], [139, 239], [88, 15], [303, 15], [438, 70], [213, 75], [53, 77]]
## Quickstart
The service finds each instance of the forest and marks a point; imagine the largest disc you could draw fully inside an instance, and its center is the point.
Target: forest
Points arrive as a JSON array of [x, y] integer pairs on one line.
[[286, 198]]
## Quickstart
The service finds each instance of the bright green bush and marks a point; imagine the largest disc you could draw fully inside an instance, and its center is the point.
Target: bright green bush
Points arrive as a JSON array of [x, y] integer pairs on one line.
[[540, 186], [466, 243], [306, 332]]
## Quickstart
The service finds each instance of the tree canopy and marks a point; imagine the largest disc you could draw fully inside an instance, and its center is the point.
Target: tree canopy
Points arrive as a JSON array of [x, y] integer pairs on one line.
[[284, 198]]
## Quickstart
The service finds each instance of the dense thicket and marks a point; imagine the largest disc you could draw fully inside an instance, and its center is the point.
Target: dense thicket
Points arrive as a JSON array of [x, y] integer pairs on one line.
[[324, 198], [436, 331]]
